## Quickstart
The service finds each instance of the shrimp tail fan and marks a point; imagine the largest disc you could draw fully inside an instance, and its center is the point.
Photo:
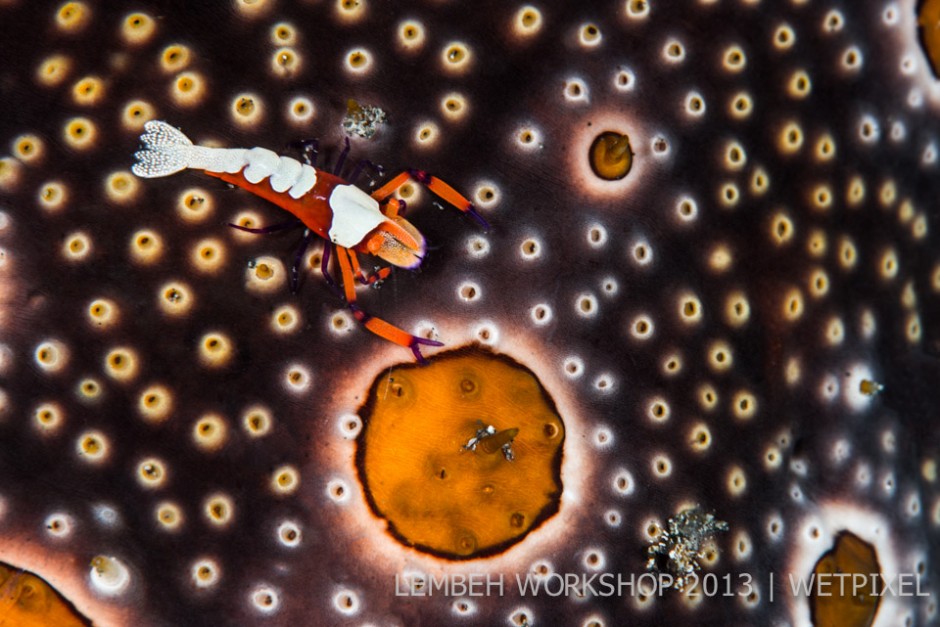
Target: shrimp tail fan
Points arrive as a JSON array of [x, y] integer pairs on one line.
[[166, 151]]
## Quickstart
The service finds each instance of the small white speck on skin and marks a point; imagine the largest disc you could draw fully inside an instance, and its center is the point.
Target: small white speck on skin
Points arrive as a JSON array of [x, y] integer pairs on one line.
[[660, 147], [641, 252], [205, 573], [673, 52], [889, 442], [478, 247], [775, 528], [743, 547], [623, 483], [297, 379], [289, 534], [576, 91], [265, 599], [586, 305], [469, 291], [573, 366], [597, 235], [605, 383], [59, 525], [541, 314], [300, 110], [109, 575], [694, 105], [528, 138], [773, 458], [889, 484], [531, 249], [641, 327], [869, 130], [464, 607], [891, 15], [337, 490], [796, 494], [799, 467], [661, 466], [486, 332], [594, 559], [841, 452], [828, 388], [863, 475], [349, 426], [929, 155], [624, 80], [346, 602], [603, 438], [521, 615], [912, 507], [686, 209]]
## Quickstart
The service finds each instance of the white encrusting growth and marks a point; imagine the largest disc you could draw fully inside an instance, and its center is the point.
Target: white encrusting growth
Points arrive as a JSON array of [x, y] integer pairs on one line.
[[168, 151]]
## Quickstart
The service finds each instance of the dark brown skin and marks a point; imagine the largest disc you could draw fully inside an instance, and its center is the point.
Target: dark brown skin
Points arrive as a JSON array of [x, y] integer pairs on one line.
[[797, 373]]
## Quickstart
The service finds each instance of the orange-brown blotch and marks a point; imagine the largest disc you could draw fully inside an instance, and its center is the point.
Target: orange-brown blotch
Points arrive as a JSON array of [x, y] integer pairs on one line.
[[611, 156], [423, 471], [850, 555], [28, 601], [928, 18]]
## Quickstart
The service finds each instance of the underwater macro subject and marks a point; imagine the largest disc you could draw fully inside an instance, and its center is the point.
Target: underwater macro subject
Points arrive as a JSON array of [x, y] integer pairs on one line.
[[646, 332]]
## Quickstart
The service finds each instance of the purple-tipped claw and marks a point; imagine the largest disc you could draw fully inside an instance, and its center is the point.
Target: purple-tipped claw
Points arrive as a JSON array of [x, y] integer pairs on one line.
[[415, 347], [476, 216]]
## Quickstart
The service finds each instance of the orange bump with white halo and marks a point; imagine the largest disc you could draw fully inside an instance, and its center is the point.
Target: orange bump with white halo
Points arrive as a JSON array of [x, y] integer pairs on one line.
[[462, 457]]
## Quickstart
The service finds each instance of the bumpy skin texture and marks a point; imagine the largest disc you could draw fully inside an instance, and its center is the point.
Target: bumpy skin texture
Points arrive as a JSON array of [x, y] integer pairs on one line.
[[705, 324]]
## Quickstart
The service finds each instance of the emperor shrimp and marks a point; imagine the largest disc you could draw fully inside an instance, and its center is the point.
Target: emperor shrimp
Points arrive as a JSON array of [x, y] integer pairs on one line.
[[352, 220]]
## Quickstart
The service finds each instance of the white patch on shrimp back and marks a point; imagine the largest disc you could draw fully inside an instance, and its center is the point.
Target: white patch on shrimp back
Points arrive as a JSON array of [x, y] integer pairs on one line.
[[355, 215], [228, 160], [168, 151], [306, 181], [285, 174], [261, 164]]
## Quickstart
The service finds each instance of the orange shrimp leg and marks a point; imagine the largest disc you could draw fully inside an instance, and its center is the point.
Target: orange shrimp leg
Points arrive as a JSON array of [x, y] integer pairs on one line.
[[393, 208], [372, 279], [376, 325], [441, 189]]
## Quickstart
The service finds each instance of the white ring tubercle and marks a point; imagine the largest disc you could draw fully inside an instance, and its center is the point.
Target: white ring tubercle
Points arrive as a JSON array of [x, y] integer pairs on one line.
[[355, 215], [168, 150]]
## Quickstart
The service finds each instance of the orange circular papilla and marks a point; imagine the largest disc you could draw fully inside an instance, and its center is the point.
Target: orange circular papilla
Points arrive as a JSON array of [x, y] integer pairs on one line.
[[461, 456]]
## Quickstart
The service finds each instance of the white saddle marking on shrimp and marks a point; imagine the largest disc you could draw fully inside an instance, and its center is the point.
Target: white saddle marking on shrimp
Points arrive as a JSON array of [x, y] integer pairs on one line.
[[355, 215]]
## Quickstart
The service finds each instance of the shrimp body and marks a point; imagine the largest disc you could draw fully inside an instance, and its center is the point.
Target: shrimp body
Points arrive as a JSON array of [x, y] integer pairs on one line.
[[352, 220]]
